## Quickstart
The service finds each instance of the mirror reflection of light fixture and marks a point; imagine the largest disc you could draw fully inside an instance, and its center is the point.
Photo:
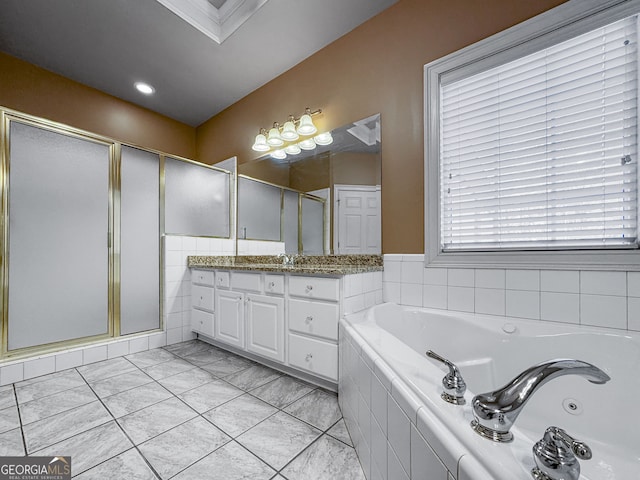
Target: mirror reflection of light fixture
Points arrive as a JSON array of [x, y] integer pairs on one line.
[[278, 154], [260, 144], [292, 149], [274, 139], [323, 139], [291, 131], [307, 144]]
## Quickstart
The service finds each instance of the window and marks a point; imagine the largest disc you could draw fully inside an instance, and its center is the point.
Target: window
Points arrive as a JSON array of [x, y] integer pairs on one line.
[[532, 146]]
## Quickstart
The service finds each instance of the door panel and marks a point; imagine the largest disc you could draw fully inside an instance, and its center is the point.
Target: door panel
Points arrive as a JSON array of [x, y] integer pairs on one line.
[[140, 237], [229, 323], [58, 203], [265, 319]]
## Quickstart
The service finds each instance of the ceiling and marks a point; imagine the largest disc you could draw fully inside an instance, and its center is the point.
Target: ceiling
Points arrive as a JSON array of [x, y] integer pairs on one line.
[[111, 44]]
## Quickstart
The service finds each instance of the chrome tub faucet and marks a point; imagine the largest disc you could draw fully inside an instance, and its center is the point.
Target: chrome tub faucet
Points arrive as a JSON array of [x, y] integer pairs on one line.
[[556, 456], [495, 412]]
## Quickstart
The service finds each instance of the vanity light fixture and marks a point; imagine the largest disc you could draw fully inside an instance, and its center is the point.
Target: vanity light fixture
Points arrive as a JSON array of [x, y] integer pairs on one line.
[[274, 139], [289, 130], [144, 88], [281, 134], [306, 126], [260, 144]]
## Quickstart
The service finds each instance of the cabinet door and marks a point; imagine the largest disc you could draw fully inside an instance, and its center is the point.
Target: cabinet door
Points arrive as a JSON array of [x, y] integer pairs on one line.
[[229, 326], [265, 325]]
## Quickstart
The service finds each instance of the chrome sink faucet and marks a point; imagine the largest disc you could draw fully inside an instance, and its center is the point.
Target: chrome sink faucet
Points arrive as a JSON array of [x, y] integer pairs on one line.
[[495, 412], [287, 260]]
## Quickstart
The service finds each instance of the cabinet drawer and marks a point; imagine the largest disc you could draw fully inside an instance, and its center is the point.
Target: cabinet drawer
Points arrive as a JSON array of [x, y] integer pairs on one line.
[[246, 281], [202, 277], [202, 297], [274, 284], [222, 279], [314, 287], [202, 322], [314, 318], [314, 356]]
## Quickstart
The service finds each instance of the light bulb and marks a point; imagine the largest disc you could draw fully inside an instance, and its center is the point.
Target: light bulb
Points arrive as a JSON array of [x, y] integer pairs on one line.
[[323, 139], [292, 149], [274, 138], [307, 144], [144, 88], [289, 132], [260, 145], [306, 126]]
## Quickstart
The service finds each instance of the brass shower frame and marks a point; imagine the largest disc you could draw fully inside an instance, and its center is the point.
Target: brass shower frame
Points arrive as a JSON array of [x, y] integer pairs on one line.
[[114, 281]]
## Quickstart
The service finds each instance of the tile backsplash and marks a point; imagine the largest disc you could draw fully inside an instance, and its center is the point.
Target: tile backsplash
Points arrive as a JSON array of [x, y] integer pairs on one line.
[[598, 298]]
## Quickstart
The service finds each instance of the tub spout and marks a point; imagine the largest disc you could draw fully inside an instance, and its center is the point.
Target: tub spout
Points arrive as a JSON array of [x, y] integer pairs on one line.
[[495, 412]]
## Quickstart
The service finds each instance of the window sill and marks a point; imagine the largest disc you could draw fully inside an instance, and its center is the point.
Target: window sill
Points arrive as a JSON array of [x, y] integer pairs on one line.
[[616, 260]]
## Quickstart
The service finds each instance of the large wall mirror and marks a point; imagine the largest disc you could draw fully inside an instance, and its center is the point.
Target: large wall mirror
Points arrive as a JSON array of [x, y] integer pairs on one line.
[[328, 198]]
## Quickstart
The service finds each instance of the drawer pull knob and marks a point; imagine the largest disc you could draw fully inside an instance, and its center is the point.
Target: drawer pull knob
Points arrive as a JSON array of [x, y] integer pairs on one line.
[[309, 357], [309, 319], [309, 288], [272, 284]]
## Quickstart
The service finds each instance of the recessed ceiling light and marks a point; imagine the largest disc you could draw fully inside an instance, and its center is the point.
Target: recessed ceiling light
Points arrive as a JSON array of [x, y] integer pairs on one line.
[[144, 88]]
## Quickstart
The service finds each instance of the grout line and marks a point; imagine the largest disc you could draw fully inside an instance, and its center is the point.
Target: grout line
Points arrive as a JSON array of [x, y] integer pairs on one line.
[[125, 434], [201, 415], [24, 441]]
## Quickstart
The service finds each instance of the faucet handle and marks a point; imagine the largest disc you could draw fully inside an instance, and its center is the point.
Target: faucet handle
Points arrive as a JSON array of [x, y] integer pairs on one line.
[[555, 456], [453, 383]]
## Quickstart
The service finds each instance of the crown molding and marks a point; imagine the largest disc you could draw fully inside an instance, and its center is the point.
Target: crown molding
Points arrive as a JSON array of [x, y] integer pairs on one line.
[[216, 23]]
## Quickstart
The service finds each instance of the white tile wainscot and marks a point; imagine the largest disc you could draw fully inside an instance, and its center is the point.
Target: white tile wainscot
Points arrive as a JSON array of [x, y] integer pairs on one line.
[[287, 321], [394, 436], [596, 298]]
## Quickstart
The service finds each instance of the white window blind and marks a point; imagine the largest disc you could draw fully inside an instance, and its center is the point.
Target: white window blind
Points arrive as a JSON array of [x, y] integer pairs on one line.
[[531, 151]]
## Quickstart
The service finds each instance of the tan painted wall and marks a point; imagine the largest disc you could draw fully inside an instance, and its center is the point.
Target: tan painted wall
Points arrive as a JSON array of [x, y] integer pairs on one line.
[[33, 90], [376, 68]]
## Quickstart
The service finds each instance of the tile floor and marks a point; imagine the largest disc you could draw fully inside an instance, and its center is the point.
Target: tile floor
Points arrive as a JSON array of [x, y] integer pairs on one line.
[[188, 411]]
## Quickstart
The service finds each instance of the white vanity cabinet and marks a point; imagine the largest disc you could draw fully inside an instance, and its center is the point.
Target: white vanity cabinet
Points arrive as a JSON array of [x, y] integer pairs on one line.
[[249, 319], [281, 317], [314, 311], [202, 302]]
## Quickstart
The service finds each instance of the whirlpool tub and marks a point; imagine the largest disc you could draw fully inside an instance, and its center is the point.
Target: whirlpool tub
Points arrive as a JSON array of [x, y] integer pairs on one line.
[[389, 392]]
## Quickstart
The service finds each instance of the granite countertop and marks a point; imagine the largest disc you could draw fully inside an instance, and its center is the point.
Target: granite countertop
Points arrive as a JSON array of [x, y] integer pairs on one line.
[[307, 264]]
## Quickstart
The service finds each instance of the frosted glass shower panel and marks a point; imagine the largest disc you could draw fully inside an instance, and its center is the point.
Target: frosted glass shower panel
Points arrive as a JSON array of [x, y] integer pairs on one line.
[[312, 226], [290, 219], [58, 234], [258, 210], [140, 241], [196, 200]]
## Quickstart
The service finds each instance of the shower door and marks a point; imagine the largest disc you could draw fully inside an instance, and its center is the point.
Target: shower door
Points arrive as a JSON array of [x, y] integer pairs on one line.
[[59, 239]]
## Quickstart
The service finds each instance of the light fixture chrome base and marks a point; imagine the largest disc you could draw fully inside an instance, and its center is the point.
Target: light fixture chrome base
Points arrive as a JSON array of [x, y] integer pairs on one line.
[[494, 436], [453, 399], [539, 474]]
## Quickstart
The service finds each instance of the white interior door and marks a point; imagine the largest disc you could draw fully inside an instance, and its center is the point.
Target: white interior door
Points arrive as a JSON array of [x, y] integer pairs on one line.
[[357, 219]]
